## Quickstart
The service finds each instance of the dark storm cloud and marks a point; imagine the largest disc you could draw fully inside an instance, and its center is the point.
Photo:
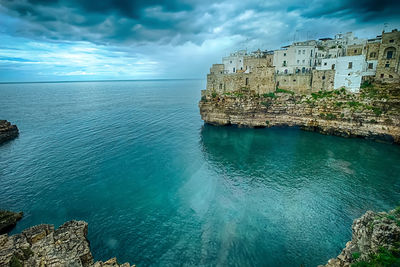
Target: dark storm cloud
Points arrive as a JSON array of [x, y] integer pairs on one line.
[[361, 10], [166, 21]]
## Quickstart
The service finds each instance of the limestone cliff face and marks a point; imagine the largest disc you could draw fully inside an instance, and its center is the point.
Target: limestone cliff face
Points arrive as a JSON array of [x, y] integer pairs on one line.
[[7, 131], [41, 245], [375, 241], [371, 114]]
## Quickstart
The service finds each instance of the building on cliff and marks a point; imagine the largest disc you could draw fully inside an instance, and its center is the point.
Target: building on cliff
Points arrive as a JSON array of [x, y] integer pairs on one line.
[[310, 66]]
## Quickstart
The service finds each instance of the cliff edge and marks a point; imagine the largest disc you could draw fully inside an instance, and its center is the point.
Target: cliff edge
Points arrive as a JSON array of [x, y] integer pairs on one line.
[[375, 241], [41, 245], [7, 131], [373, 113]]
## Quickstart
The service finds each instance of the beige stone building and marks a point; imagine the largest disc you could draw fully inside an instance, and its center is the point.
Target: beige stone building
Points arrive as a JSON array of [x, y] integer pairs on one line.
[[388, 69]]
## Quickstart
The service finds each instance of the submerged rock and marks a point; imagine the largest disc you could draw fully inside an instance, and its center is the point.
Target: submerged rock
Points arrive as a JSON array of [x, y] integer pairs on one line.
[[8, 220], [42, 245], [375, 241], [7, 131]]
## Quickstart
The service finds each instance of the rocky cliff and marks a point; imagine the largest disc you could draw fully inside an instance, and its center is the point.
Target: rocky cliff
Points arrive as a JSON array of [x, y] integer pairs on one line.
[[7, 131], [375, 241], [41, 245], [374, 113], [8, 220]]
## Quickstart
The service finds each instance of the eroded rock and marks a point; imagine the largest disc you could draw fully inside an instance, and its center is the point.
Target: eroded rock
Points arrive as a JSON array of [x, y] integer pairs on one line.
[[8, 220], [7, 131], [42, 245]]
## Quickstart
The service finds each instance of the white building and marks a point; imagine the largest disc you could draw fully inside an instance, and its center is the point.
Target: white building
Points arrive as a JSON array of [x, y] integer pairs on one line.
[[234, 62], [349, 70], [297, 58]]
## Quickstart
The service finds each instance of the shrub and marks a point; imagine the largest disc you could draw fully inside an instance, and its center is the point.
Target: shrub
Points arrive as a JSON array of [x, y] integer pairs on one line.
[[214, 94], [278, 90], [271, 95], [377, 111]]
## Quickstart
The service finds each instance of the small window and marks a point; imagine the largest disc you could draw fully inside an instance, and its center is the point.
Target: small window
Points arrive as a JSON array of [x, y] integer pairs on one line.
[[231, 61], [220, 86], [372, 54], [294, 80], [382, 75], [234, 70], [247, 81], [389, 54], [304, 51], [298, 61], [325, 64], [333, 66], [390, 76], [370, 66], [299, 52], [391, 41], [303, 61], [240, 60], [323, 77], [284, 54], [387, 65], [355, 50], [350, 65]]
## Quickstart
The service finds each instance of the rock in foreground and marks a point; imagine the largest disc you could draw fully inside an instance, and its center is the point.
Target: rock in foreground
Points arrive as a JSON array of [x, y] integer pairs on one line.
[[41, 245], [375, 241], [8, 220], [7, 131]]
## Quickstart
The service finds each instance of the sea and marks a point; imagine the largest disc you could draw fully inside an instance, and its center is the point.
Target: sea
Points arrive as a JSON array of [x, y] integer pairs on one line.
[[158, 187]]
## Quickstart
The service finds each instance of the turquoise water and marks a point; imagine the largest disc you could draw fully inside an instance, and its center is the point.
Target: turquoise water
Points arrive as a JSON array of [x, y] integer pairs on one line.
[[157, 187]]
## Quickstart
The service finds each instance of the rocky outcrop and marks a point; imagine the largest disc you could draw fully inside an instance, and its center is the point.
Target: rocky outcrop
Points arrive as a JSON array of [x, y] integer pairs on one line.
[[8, 220], [375, 241], [7, 131], [373, 113], [41, 245]]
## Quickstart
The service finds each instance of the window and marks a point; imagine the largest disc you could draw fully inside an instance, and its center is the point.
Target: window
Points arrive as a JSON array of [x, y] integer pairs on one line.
[[390, 76], [333, 66], [234, 70], [370, 66], [231, 61], [325, 63], [303, 61], [284, 54], [355, 51], [387, 65], [372, 54], [247, 81], [298, 61], [294, 80], [323, 77], [285, 72], [391, 41], [304, 51], [284, 63], [350, 65], [220, 86], [389, 54], [382, 75], [299, 52]]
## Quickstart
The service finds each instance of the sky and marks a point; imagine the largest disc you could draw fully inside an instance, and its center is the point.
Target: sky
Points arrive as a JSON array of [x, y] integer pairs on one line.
[[73, 40]]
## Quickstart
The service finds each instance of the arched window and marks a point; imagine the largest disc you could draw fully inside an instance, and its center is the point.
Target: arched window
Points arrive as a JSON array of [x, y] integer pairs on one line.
[[389, 53]]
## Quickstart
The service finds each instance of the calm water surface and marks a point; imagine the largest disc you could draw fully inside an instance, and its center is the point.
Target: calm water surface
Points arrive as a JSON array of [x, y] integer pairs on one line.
[[157, 187]]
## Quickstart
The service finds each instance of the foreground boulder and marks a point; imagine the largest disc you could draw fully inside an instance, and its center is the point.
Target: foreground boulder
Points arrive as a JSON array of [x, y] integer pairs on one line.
[[375, 241], [8, 220], [7, 131], [41, 245]]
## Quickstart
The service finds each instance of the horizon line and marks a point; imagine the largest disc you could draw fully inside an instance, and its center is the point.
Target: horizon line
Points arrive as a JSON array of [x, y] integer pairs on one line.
[[125, 80]]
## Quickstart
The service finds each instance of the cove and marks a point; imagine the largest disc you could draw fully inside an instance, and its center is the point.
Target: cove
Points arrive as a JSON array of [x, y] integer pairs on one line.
[[158, 187]]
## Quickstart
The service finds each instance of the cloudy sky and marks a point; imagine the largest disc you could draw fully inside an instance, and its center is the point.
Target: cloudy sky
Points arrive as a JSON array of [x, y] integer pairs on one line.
[[58, 40]]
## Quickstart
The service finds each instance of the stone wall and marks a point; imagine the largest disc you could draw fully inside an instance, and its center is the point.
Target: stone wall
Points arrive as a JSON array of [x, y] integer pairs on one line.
[[260, 80], [300, 83], [355, 50], [368, 114], [322, 80]]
